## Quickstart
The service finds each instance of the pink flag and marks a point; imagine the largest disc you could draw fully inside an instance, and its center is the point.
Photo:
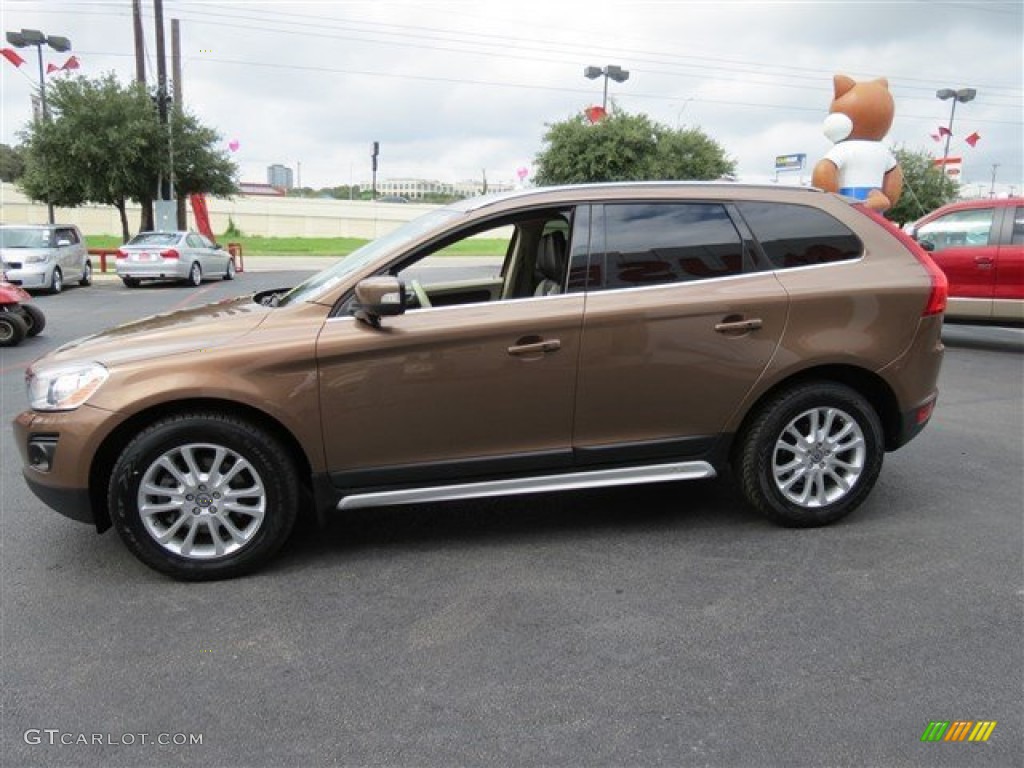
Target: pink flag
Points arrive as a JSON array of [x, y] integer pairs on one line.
[[935, 137], [973, 138], [595, 114], [71, 63], [11, 55], [51, 68], [944, 131]]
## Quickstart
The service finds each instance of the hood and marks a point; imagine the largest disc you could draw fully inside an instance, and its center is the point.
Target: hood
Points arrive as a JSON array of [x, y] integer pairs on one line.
[[23, 254], [172, 333]]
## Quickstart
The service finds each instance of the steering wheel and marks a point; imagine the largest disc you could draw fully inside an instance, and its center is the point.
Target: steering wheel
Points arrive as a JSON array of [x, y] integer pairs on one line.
[[421, 295]]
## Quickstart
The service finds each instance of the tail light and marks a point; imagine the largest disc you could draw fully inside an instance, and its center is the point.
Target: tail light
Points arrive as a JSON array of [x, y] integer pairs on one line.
[[170, 253], [936, 303], [121, 254]]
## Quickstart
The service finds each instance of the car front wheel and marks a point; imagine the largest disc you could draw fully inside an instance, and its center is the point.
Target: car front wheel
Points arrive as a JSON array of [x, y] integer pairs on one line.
[[811, 455], [203, 496], [195, 274], [57, 281]]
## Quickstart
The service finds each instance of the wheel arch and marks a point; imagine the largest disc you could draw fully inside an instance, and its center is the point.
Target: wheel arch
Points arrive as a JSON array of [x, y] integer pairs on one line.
[[868, 384], [110, 448]]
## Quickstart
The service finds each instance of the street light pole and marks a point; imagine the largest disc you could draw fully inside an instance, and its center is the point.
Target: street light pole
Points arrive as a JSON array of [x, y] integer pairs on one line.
[[616, 73], [36, 38], [963, 95]]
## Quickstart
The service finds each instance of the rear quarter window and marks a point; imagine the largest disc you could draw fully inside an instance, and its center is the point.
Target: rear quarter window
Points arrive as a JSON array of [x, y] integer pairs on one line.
[[798, 235]]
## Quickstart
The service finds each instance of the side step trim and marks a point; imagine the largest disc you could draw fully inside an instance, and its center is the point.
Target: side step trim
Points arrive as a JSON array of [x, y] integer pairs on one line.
[[657, 473]]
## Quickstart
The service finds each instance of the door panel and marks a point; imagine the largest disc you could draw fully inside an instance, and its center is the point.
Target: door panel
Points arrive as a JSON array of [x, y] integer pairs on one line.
[[440, 384], [654, 367], [1010, 264]]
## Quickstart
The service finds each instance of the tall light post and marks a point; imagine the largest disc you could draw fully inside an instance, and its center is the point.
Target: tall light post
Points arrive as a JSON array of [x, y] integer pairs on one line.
[[34, 37], [963, 95], [616, 73]]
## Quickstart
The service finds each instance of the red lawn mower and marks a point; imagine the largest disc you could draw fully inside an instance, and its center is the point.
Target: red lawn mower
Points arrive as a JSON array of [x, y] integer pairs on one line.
[[18, 319]]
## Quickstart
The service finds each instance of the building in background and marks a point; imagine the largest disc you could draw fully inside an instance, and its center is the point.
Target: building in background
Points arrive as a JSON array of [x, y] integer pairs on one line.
[[280, 176]]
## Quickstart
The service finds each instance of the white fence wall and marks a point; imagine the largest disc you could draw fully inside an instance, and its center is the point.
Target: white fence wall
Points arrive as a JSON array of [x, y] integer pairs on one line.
[[264, 216]]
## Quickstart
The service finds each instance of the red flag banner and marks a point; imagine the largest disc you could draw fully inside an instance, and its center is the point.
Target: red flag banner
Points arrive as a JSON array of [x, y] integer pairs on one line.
[[72, 63], [202, 215], [973, 138], [944, 131], [935, 137], [51, 68], [12, 56], [594, 114]]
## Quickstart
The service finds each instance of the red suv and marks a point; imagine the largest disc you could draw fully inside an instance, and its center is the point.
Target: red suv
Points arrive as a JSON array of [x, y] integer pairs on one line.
[[979, 244]]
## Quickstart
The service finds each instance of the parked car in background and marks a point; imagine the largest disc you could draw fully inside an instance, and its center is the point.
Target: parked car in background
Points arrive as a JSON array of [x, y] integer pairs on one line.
[[629, 333], [44, 256], [979, 244], [186, 256]]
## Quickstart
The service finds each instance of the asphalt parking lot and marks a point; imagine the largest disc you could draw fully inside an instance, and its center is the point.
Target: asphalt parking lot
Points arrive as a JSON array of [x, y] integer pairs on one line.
[[659, 625]]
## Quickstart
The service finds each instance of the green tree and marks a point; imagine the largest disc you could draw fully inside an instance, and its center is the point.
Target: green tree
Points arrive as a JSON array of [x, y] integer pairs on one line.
[[625, 147], [104, 144], [925, 187], [12, 163]]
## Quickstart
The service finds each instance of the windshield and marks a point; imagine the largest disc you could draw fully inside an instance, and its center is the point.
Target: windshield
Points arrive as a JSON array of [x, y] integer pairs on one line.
[[25, 238], [330, 277]]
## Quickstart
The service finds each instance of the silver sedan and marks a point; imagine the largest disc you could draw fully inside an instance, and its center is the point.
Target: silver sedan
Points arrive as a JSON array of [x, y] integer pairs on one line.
[[186, 256]]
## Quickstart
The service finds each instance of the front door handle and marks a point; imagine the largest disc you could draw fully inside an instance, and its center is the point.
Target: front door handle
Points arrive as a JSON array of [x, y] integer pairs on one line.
[[983, 262], [534, 345], [736, 324]]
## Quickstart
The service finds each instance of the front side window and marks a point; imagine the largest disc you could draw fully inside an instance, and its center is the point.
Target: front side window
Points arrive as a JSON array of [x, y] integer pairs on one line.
[[959, 229], [658, 243], [516, 257]]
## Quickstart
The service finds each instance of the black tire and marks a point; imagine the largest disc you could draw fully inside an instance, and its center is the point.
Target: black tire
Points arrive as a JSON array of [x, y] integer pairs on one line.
[[86, 279], [229, 271], [13, 329], [195, 275], [802, 484], [57, 281], [34, 319], [259, 462], [131, 282]]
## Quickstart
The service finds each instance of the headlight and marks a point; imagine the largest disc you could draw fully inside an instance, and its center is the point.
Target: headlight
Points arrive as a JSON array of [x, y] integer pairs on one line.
[[63, 388], [37, 258]]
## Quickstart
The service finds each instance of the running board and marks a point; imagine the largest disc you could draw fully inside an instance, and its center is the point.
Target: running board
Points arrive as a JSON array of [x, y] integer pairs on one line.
[[601, 478]]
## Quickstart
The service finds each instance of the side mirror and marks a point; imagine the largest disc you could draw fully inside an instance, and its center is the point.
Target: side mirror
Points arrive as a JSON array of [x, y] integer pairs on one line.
[[378, 297], [927, 245]]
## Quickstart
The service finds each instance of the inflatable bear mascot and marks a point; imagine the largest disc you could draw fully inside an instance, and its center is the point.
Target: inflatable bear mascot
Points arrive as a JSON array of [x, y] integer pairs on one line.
[[859, 165]]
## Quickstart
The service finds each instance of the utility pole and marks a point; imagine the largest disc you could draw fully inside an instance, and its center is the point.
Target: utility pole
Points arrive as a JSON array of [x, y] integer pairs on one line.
[[373, 157], [179, 107], [992, 189], [140, 42], [164, 189]]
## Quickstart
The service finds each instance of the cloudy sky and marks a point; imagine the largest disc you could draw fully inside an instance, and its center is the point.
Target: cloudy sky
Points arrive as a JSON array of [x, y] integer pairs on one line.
[[452, 89]]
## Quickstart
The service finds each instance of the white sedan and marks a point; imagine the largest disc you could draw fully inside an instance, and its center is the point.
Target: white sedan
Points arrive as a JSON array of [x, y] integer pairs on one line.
[[186, 256]]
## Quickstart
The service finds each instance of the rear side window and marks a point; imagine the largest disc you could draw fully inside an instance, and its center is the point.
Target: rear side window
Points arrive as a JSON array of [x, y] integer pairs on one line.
[[798, 235], [1017, 238], [658, 243]]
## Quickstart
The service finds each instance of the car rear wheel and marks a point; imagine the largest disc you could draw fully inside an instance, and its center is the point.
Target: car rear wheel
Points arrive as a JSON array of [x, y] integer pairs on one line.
[[86, 279], [195, 274], [57, 281], [203, 496], [34, 319], [811, 455], [13, 329]]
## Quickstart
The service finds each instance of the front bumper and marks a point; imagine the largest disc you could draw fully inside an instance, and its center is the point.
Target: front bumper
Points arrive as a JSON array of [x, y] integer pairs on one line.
[[71, 440], [31, 276]]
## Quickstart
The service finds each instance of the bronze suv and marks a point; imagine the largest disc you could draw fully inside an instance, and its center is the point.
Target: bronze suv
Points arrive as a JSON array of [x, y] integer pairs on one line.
[[604, 335]]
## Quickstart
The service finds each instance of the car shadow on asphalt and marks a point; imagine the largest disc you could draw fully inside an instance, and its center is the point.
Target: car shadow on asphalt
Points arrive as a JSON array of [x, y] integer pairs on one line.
[[635, 510]]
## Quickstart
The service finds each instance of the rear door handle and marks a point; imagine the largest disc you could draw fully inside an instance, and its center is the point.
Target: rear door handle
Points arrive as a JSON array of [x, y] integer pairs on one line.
[[534, 345], [983, 262], [730, 325]]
